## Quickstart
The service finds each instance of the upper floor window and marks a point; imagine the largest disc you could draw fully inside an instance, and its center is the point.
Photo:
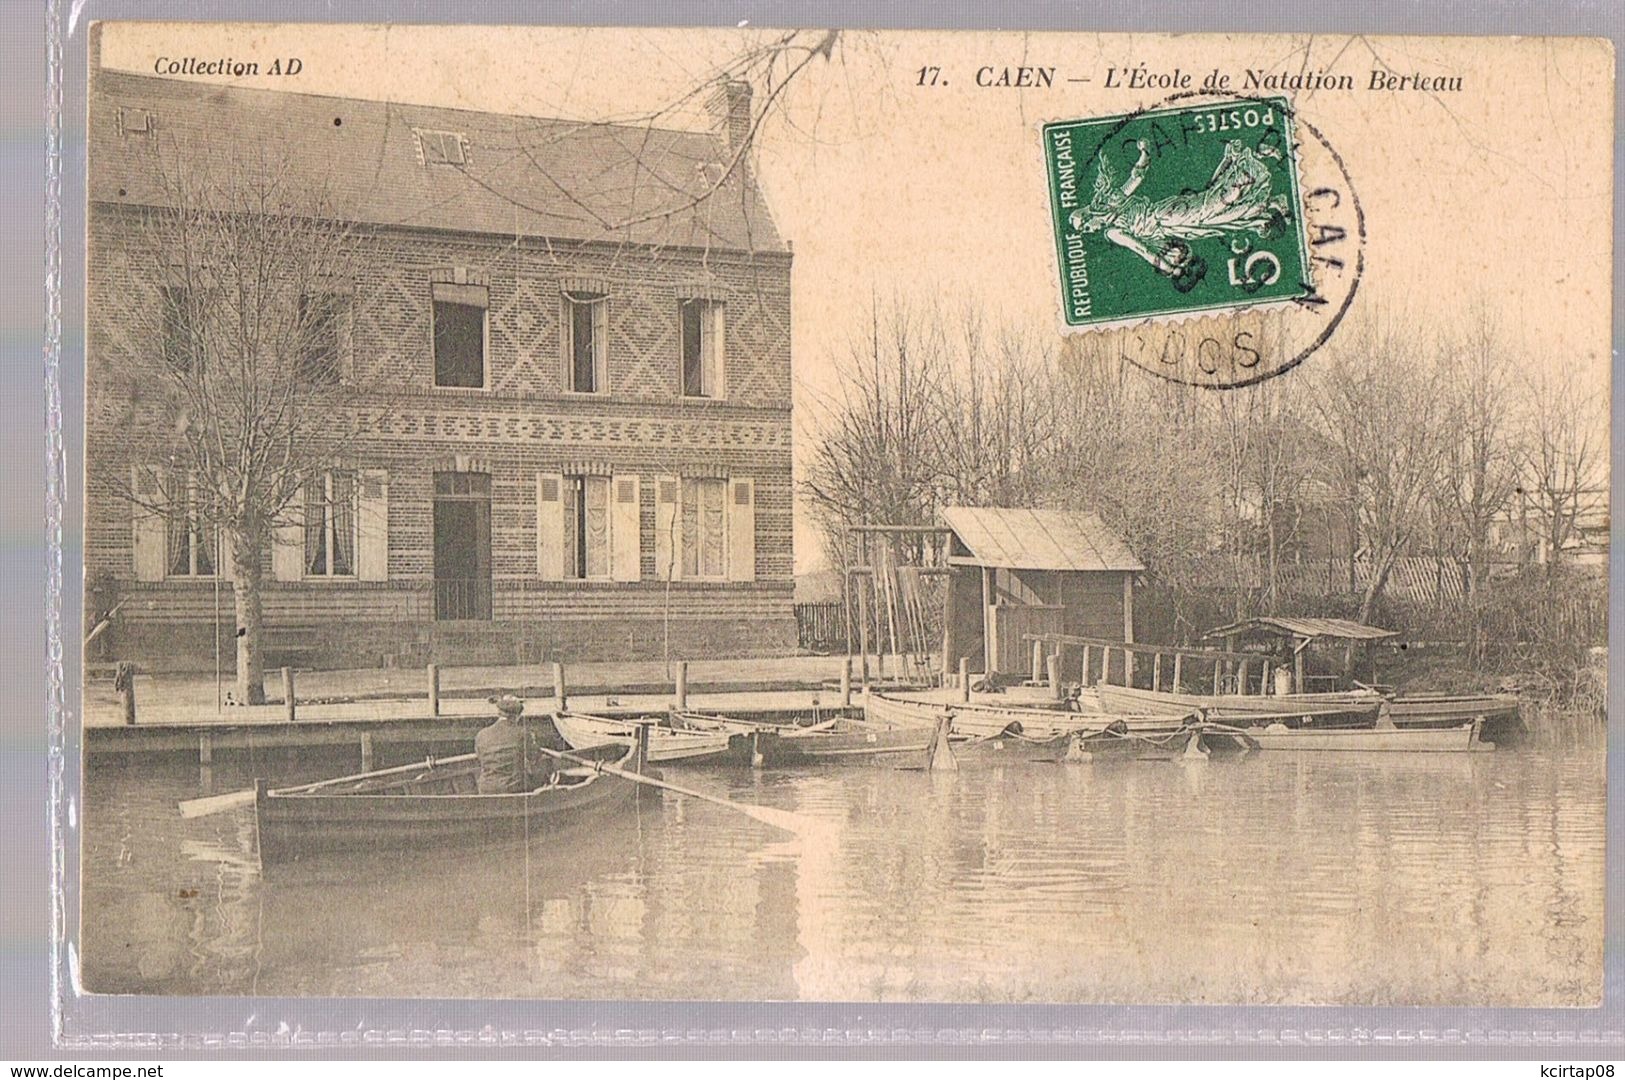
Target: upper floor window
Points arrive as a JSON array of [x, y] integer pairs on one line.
[[330, 525], [178, 328], [586, 527], [701, 322], [193, 542], [442, 147], [320, 354], [459, 334], [586, 342]]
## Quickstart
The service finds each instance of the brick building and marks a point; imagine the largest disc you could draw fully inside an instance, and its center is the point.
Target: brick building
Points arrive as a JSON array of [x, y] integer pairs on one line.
[[586, 446]]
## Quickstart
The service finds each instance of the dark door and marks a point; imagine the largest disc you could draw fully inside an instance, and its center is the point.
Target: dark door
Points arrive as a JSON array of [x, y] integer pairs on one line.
[[462, 546]]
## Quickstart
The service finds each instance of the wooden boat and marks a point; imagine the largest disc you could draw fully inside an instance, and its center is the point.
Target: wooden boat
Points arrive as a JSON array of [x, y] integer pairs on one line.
[[667, 745], [1503, 723], [1384, 739], [1244, 709], [430, 802], [984, 719], [1112, 743], [838, 738]]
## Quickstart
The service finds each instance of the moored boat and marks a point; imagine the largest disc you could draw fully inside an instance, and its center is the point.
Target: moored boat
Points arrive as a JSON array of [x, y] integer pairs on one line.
[[433, 801], [838, 738], [667, 745], [1277, 736], [1247, 708]]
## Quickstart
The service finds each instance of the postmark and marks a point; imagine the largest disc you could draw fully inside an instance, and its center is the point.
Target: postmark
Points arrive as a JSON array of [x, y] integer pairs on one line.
[[1217, 241]]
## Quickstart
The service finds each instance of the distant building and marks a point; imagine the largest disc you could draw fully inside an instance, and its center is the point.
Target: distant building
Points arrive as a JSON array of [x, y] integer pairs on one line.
[[588, 434]]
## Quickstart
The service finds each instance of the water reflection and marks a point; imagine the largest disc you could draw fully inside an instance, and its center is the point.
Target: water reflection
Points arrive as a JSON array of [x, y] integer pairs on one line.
[[1277, 878]]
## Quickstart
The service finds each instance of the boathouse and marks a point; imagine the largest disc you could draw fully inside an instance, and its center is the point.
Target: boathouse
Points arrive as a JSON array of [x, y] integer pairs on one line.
[[1016, 572], [582, 445]]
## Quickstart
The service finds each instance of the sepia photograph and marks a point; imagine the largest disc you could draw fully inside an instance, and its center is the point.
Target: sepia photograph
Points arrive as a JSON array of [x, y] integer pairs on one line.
[[742, 514]]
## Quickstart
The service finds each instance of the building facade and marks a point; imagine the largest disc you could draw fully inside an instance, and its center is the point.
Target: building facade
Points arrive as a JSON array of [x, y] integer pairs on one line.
[[572, 342]]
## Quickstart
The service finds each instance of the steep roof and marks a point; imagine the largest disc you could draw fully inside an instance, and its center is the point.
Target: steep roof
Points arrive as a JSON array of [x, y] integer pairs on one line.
[[1306, 628], [1020, 539], [523, 175]]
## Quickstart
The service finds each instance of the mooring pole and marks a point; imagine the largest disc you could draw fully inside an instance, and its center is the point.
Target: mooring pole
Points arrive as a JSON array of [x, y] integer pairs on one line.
[[124, 683], [1054, 672], [558, 685], [846, 683], [433, 673], [682, 684], [288, 705]]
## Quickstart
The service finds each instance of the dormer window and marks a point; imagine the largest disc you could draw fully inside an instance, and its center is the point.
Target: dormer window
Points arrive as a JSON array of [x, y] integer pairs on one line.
[[442, 147]]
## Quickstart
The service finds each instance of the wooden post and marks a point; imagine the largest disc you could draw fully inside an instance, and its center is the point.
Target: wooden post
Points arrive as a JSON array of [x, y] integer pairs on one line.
[[1297, 669], [1179, 664], [1038, 661], [682, 684], [124, 683], [1241, 681], [950, 647], [1266, 685], [1128, 666], [1086, 681], [863, 634], [964, 678], [558, 685], [433, 673], [288, 704], [846, 683], [1128, 613], [990, 653], [1218, 676], [1156, 671], [366, 750], [205, 749], [1053, 664]]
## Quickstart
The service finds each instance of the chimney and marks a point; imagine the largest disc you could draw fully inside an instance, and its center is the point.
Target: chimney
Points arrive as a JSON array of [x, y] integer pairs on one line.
[[729, 106]]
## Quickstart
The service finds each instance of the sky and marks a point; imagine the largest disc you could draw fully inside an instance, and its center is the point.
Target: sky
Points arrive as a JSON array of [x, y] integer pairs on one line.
[[1495, 196]]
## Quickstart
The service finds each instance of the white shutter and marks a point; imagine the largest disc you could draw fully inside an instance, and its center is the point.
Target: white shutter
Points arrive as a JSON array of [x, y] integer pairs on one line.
[[668, 540], [550, 526], [626, 528], [741, 529], [149, 539], [288, 543], [372, 525]]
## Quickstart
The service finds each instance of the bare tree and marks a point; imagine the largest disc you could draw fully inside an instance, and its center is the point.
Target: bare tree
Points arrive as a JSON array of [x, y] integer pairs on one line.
[[220, 366], [1479, 470], [1378, 403], [1561, 456]]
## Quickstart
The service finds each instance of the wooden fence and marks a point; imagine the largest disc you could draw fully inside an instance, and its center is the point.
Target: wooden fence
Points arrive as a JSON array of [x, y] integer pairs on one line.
[[821, 627]]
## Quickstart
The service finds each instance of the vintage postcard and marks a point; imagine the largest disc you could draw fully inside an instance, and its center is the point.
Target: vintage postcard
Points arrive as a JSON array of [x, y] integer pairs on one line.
[[834, 515]]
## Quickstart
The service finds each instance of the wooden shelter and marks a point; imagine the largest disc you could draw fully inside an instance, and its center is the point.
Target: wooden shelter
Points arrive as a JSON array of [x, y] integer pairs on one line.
[[1017, 572], [1301, 633]]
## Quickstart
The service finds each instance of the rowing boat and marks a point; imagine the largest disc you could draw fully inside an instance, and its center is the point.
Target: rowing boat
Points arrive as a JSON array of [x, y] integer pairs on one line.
[[432, 801], [1276, 736], [835, 739], [1503, 723], [1244, 709], [667, 745], [1112, 743], [985, 719]]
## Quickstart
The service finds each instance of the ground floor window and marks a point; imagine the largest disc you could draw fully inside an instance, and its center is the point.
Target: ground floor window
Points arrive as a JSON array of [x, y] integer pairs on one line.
[[704, 528], [193, 547], [586, 527], [330, 525]]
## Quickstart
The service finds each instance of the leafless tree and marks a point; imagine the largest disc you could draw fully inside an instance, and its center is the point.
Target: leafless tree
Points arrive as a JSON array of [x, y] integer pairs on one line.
[[1561, 455], [220, 366], [1378, 403]]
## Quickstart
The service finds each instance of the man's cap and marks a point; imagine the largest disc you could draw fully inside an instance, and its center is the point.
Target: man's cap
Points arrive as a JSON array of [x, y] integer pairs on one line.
[[509, 705]]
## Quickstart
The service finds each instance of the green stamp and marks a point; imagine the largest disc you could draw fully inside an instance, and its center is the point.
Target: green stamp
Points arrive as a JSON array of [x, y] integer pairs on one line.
[[1177, 210]]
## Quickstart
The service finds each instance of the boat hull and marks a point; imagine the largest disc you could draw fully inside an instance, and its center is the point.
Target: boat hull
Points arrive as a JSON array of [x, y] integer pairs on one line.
[[439, 806], [666, 746], [1278, 737], [1245, 709]]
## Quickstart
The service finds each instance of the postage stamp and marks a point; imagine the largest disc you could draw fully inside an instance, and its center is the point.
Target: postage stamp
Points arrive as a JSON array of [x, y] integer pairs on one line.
[[1193, 208]]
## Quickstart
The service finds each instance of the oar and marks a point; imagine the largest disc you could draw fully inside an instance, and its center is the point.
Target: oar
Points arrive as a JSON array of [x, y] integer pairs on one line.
[[778, 819], [217, 804]]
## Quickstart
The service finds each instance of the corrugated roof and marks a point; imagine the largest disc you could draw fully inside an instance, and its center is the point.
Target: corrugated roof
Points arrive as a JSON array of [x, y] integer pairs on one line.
[[1038, 539], [1305, 627], [524, 175]]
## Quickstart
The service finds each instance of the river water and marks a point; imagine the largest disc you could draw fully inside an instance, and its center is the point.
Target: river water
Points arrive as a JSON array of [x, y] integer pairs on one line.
[[1277, 878]]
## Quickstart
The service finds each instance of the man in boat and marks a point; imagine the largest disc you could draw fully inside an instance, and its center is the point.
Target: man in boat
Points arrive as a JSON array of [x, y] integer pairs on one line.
[[509, 759]]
